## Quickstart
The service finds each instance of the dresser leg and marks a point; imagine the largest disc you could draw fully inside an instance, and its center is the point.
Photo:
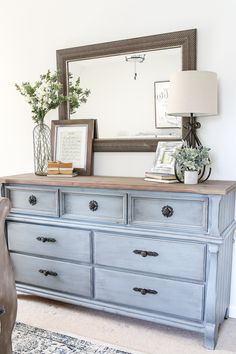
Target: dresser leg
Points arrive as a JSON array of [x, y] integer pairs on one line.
[[210, 336], [227, 313]]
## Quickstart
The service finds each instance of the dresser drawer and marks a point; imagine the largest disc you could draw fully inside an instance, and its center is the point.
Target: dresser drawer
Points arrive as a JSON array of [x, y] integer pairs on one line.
[[94, 206], [170, 297], [33, 200], [169, 211], [66, 277], [177, 259], [58, 242]]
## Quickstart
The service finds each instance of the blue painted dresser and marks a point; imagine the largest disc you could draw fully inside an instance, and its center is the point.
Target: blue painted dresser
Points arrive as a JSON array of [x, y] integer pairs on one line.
[[152, 251]]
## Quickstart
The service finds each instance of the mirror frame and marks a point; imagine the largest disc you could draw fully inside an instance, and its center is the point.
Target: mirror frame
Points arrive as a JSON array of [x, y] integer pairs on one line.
[[186, 39]]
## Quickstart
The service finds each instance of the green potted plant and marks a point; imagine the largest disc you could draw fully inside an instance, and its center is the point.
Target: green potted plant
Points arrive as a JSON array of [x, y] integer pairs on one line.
[[190, 161], [43, 96]]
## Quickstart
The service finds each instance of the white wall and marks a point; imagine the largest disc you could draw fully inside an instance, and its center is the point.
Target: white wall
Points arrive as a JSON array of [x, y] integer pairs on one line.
[[31, 31]]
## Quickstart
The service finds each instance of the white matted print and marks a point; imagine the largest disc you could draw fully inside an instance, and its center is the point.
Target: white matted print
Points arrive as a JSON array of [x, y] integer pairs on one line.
[[164, 161], [71, 145], [162, 120]]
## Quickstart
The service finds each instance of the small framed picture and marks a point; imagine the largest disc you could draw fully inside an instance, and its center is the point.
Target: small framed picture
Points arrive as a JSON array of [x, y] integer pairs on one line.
[[162, 120], [164, 161], [72, 141]]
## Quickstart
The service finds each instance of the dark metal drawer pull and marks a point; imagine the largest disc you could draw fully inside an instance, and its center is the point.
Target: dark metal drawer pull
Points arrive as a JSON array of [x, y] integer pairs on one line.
[[93, 205], [167, 211], [47, 272], [146, 253], [45, 239], [145, 291], [32, 199]]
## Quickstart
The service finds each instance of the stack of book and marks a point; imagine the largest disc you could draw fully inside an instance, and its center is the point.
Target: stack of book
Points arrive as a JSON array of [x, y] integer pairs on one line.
[[160, 177], [61, 169]]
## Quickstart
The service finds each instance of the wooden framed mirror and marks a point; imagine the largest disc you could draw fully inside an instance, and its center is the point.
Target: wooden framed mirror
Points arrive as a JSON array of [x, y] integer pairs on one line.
[[119, 80]]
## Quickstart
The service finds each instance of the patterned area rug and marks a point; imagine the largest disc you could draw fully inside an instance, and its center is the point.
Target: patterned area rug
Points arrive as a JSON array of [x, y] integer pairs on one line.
[[32, 340]]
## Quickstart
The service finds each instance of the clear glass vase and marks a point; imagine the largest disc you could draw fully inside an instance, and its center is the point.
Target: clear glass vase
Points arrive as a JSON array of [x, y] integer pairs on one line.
[[42, 148]]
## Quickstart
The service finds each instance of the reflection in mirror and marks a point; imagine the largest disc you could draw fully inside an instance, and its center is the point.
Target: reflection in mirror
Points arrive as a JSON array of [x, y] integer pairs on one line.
[[122, 92]]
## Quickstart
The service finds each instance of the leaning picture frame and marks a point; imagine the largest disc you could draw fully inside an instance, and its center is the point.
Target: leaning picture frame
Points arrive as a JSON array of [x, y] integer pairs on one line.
[[164, 161], [72, 141], [162, 120]]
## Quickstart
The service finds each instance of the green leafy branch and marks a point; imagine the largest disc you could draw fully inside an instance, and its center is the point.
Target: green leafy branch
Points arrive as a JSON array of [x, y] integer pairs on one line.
[[76, 95], [45, 94]]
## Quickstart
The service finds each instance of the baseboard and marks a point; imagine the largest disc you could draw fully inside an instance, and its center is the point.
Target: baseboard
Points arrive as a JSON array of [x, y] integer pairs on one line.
[[232, 311]]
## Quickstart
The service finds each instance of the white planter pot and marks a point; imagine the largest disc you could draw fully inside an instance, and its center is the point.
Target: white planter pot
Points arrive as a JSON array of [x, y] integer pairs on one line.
[[190, 177]]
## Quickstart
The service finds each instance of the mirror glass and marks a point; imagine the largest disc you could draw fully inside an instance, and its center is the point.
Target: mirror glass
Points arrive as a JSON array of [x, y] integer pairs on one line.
[[123, 98]]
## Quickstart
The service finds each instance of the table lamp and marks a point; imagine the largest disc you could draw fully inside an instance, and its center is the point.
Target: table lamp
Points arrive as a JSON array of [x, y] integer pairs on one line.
[[192, 94]]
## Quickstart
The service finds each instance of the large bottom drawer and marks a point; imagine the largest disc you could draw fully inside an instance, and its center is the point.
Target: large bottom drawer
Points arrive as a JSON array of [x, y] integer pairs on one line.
[[166, 296], [65, 277]]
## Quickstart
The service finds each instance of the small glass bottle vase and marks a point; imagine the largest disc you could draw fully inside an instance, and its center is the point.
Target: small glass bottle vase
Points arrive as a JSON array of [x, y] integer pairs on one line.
[[42, 149]]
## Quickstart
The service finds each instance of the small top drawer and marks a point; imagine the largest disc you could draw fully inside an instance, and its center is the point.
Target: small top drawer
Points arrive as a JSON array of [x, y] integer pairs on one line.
[[50, 241], [33, 200], [171, 211], [94, 205], [169, 258]]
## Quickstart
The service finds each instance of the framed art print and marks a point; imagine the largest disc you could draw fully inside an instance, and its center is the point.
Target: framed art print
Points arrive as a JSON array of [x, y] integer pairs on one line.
[[72, 142], [164, 161], [162, 120]]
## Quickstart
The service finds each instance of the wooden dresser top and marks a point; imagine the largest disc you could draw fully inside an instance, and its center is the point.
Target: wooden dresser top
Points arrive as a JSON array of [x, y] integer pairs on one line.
[[133, 183]]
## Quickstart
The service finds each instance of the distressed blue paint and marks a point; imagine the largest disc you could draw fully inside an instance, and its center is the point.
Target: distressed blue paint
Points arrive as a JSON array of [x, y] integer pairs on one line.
[[189, 213], [46, 200], [69, 244], [71, 278], [94, 258], [174, 258], [182, 299]]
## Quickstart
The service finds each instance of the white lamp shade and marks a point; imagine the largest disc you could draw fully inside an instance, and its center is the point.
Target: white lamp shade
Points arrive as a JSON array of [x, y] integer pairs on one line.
[[193, 92]]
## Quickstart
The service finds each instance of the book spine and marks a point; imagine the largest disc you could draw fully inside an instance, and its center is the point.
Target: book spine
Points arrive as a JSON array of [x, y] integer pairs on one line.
[[60, 170], [56, 173], [160, 180], [56, 176], [52, 164], [53, 173], [170, 177]]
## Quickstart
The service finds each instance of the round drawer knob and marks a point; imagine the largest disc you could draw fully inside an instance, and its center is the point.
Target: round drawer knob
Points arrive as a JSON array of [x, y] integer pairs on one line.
[[93, 205], [167, 211], [32, 199]]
